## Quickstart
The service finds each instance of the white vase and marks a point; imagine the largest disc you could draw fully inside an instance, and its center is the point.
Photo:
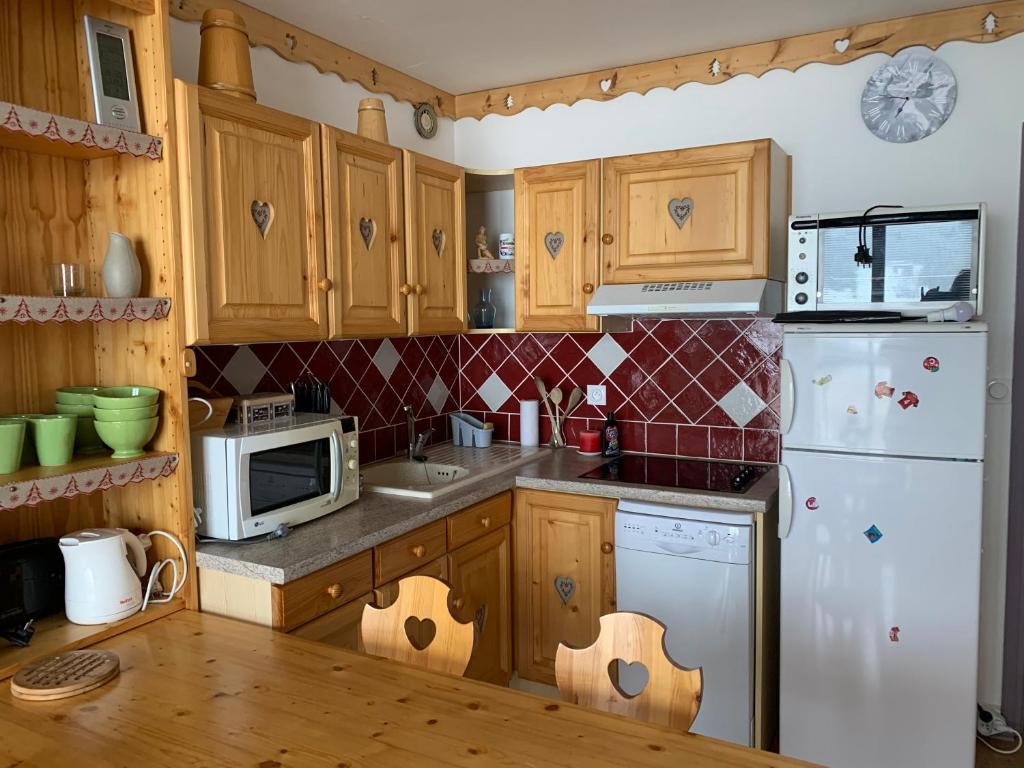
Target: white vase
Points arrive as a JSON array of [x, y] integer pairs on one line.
[[122, 273]]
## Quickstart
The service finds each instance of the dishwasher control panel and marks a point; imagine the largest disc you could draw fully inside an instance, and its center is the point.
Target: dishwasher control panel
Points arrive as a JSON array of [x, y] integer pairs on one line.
[[698, 539]]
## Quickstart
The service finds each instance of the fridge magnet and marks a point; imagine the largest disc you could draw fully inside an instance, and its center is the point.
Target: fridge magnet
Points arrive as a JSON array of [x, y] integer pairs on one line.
[[811, 503], [931, 364], [894, 634], [565, 586], [823, 380], [882, 389], [852, 410], [873, 534], [908, 400]]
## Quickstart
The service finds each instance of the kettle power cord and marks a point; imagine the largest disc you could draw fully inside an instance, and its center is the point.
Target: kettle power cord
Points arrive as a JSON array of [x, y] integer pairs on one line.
[[993, 724], [153, 586]]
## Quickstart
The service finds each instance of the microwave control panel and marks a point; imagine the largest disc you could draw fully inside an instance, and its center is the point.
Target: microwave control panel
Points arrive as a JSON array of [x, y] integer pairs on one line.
[[802, 266]]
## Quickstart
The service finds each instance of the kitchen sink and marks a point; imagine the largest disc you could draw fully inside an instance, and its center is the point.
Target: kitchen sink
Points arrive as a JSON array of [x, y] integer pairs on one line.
[[422, 480]]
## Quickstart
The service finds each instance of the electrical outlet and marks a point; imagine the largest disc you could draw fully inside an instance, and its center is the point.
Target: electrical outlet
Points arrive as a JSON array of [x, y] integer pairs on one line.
[[596, 394]]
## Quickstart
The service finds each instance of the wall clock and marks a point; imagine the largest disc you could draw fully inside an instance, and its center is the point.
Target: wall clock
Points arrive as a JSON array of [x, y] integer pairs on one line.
[[425, 119], [909, 97]]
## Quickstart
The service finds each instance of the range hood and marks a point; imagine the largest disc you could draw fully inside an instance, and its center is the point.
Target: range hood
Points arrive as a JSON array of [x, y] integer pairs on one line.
[[707, 297]]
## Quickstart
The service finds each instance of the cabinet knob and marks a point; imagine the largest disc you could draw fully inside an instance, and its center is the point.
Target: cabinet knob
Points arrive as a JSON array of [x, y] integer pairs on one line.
[[405, 289], [418, 551], [607, 238], [419, 290], [326, 284], [394, 238], [485, 522], [588, 288], [335, 591], [458, 603], [606, 547]]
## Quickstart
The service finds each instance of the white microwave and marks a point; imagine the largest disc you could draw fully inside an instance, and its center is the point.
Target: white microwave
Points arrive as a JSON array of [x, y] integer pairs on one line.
[[249, 479], [908, 260]]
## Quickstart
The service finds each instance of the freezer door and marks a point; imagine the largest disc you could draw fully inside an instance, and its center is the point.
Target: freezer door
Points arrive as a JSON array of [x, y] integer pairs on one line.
[[908, 394], [879, 611]]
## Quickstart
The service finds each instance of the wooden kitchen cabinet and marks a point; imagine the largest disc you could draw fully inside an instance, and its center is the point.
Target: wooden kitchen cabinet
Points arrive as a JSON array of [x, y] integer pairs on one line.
[[364, 233], [564, 575], [436, 245], [481, 577], [708, 213], [252, 221], [557, 210], [386, 594], [340, 627]]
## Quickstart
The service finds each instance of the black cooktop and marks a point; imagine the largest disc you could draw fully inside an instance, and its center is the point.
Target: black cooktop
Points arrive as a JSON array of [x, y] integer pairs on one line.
[[691, 474]]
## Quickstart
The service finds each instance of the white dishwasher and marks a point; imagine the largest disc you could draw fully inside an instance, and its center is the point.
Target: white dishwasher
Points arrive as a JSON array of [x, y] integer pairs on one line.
[[691, 570]]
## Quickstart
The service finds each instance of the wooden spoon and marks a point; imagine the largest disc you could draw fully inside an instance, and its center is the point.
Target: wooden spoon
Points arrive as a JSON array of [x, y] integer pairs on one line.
[[574, 399], [556, 400]]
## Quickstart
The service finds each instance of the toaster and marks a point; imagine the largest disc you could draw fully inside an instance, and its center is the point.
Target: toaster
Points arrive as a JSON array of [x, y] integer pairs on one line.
[[31, 586]]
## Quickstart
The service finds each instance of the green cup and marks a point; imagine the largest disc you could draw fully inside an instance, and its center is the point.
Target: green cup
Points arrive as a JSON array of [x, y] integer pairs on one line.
[[12, 438], [54, 435], [28, 451]]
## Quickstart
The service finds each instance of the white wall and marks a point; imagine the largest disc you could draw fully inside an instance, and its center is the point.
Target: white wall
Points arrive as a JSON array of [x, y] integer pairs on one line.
[[838, 165], [301, 90]]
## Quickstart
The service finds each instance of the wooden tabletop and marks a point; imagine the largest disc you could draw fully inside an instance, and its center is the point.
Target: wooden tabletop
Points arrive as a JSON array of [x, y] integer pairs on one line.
[[199, 690]]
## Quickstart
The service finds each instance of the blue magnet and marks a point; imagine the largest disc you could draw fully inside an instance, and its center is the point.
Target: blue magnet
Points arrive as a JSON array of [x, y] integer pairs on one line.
[[873, 534]]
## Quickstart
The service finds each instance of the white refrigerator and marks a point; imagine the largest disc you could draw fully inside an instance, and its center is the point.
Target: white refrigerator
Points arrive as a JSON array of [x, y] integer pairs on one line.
[[880, 520]]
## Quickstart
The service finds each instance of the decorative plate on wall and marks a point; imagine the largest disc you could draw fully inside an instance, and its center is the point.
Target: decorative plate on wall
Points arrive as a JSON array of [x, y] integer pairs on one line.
[[425, 119], [909, 97]]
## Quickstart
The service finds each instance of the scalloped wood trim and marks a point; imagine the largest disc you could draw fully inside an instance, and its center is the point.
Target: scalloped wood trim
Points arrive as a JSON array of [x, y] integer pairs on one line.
[[300, 46], [979, 24]]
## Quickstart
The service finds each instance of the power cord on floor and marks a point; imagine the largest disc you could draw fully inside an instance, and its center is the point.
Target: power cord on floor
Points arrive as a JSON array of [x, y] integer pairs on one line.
[[993, 724]]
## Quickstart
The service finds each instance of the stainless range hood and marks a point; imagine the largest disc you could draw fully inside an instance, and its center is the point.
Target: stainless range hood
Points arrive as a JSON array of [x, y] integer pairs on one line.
[[708, 297]]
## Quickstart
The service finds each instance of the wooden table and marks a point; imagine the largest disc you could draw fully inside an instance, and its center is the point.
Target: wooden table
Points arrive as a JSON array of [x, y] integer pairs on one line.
[[199, 690]]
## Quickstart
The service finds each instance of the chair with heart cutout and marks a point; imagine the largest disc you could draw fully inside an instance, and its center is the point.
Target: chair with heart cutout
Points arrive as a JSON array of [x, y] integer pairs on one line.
[[591, 676], [419, 628]]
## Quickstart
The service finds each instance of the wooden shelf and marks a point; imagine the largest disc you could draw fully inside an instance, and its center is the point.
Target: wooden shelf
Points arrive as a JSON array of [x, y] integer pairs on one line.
[[15, 308], [32, 130], [32, 486], [55, 634], [491, 266], [144, 7]]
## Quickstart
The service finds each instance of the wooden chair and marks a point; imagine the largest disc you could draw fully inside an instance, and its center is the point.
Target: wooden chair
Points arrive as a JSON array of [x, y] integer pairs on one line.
[[672, 694], [418, 628]]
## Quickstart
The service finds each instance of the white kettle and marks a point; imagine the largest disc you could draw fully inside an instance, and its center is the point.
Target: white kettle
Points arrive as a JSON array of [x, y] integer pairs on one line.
[[102, 569]]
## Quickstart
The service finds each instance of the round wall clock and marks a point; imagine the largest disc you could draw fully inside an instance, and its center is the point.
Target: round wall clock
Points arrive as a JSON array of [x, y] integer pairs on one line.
[[425, 120], [909, 97]]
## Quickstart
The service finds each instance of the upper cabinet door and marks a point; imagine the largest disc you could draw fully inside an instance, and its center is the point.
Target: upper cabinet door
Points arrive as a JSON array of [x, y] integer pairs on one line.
[[557, 210], [251, 221], [435, 213], [710, 213], [365, 243]]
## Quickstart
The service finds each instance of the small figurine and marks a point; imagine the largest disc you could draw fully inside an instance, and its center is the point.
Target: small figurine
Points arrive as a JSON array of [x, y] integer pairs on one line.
[[481, 244]]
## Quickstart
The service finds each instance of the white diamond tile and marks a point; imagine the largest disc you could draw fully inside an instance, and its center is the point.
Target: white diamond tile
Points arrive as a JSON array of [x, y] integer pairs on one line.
[[386, 358], [494, 392], [244, 371], [438, 394], [742, 404], [607, 355]]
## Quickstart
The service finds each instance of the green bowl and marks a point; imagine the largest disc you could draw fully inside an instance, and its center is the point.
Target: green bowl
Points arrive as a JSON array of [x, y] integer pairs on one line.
[[76, 395], [127, 438], [125, 397], [126, 414], [81, 411]]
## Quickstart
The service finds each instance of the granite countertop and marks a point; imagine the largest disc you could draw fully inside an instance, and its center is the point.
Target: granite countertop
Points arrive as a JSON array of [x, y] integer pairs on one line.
[[376, 518]]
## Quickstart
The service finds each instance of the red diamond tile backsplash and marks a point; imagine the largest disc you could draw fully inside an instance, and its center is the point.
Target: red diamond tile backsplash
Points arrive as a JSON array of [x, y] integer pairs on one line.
[[702, 388]]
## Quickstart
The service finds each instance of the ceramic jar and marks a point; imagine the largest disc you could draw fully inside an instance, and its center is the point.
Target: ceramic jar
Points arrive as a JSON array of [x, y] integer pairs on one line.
[[122, 273]]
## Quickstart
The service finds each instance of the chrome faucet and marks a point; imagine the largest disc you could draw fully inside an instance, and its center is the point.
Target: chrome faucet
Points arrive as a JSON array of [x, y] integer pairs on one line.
[[416, 442]]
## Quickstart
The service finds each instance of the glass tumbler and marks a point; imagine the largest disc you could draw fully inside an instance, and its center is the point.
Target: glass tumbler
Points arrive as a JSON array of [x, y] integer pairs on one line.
[[68, 279]]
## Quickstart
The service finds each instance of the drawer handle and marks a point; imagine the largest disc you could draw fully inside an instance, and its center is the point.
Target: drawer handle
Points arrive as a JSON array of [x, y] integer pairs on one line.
[[326, 284], [588, 288], [607, 238], [335, 591], [394, 238], [405, 289], [606, 547], [419, 290], [457, 603], [418, 551], [485, 522]]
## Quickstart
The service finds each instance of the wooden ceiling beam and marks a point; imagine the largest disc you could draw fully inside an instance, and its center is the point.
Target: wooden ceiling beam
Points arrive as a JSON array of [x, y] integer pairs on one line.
[[301, 46], [984, 23]]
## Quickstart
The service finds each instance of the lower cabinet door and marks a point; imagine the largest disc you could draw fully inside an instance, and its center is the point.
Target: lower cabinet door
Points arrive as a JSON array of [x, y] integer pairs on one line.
[[481, 578], [340, 627]]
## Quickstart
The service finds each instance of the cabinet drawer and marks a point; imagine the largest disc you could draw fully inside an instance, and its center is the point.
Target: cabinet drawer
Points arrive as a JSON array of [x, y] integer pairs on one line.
[[386, 594], [340, 627], [472, 523], [303, 600], [407, 553]]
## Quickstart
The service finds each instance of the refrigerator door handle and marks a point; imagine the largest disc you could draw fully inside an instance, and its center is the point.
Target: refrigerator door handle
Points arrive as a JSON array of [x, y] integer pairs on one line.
[[788, 400], [785, 502]]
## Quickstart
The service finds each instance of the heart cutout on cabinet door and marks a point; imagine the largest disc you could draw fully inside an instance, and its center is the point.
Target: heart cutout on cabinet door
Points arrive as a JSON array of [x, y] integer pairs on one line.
[[263, 215], [841, 44], [554, 241], [628, 679], [368, 231], [420, 632], [438, 238], [565, 586], [680, 208]]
